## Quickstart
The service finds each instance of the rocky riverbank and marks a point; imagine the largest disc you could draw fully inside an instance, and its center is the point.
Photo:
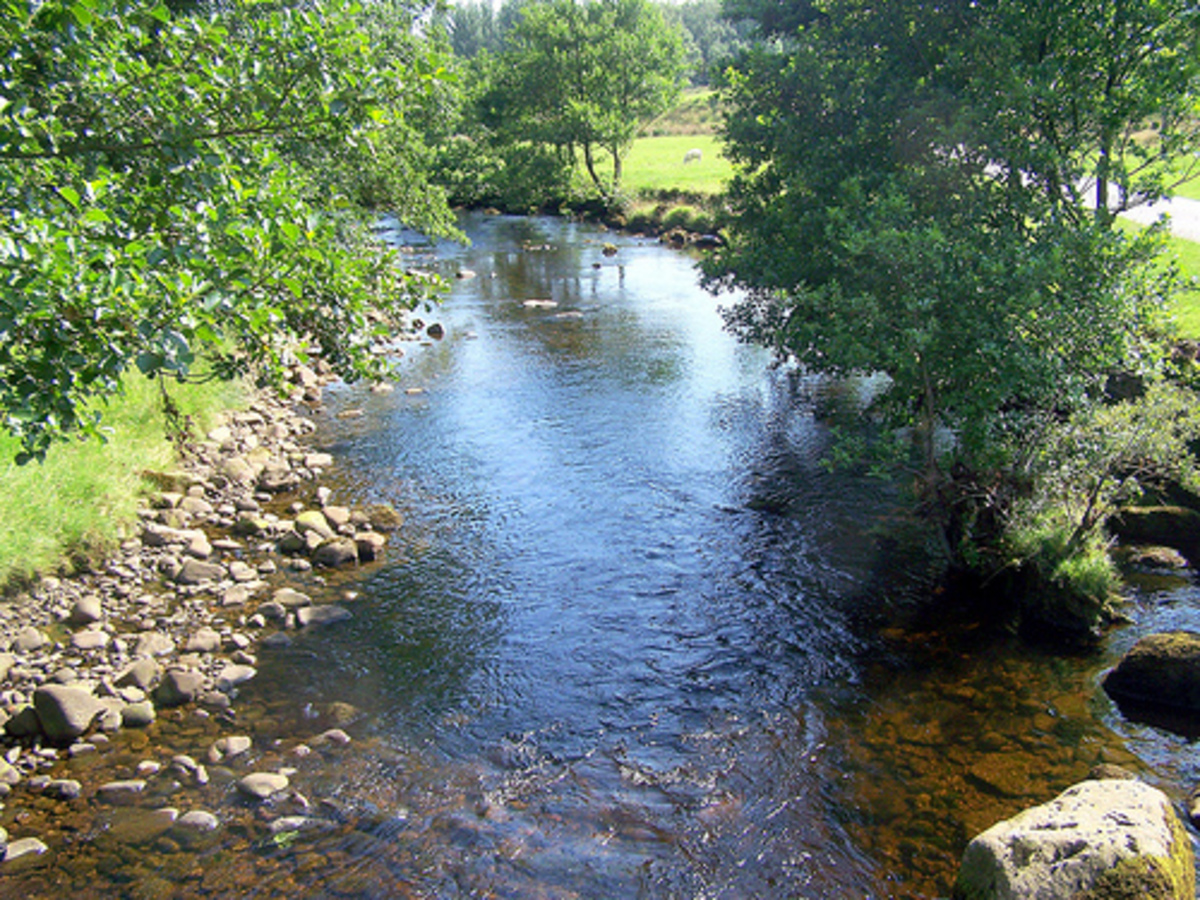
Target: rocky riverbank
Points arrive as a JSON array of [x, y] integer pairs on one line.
[[173, 625]]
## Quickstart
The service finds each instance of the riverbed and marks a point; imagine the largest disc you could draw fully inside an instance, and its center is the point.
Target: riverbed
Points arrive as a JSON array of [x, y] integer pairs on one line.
[[634, 638]]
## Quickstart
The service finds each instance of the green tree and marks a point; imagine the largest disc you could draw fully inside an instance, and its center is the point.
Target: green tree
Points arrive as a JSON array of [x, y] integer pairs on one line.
[[161, 204], [916, 199], [581, 77], [709, 36], [473, 28]]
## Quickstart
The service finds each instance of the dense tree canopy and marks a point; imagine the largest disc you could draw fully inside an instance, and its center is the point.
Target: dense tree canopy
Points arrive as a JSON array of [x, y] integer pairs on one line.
[[581, 77], [710, 37], [170, 185], [918, 198]]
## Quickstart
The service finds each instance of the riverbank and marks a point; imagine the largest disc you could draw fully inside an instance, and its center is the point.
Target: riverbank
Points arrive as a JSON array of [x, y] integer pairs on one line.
[[226, 563]]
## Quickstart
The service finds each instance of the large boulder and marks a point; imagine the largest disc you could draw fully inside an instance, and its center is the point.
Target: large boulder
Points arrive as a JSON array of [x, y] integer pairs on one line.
[[339, 551], [1169, 526], [65, 712], [1161, 670], [314, 520], [1098, 839]]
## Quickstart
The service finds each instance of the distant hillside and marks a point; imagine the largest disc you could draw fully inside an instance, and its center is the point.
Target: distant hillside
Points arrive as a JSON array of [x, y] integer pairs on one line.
[[698, 112]]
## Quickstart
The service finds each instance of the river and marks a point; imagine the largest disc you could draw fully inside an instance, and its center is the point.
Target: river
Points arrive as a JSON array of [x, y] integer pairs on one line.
[[634, 639]]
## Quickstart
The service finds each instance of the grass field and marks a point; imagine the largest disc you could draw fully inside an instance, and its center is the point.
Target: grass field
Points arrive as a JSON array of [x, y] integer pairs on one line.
[[1187, 307], [656, 164]]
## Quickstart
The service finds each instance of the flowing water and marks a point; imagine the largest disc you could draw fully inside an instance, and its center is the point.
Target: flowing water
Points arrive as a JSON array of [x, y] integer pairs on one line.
[[634, 640]]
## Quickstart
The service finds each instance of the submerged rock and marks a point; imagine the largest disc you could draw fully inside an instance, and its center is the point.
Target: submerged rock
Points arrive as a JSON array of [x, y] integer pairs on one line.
[[24, 847], [1108, 838], [322, 615]]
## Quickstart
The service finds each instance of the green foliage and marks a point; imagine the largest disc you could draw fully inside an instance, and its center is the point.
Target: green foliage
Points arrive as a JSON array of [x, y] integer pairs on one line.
[[170, 183], [689, 218], [581, 78], [709, 37], [1065, 586], [915, 196], [75, 505], [1106, 455]]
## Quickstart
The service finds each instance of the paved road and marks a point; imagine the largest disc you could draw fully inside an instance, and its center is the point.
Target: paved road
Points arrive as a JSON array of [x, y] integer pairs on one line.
[[1184, 213]]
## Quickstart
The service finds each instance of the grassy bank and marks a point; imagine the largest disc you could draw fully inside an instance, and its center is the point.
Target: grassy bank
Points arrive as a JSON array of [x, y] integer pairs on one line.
[[78, 503], [1187, 305]]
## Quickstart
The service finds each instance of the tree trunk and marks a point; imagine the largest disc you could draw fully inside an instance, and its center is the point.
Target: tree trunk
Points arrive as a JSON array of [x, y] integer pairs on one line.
[[590, 162]]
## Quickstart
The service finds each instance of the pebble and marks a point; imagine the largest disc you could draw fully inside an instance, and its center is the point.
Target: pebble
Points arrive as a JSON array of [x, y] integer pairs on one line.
[[115, 789], [229, 747], [160, 625]]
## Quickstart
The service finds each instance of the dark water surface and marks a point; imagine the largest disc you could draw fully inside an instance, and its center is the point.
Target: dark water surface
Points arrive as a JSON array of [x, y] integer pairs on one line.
[[633, 640]]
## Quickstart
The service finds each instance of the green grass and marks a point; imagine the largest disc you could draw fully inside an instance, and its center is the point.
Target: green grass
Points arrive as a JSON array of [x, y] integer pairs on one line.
[[656, 164], [1189, 189], [1187, 305], [82, 500]]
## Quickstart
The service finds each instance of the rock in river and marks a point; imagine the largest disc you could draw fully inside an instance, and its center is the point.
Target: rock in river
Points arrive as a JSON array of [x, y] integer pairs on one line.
[[1107, 838], [339, 551], [64, 712], [261, 785], [1161, 670], [322, 615]]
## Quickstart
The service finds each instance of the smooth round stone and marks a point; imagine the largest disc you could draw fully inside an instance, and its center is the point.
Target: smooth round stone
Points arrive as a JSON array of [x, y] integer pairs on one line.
[[115, 789], [261, 785], [332, 736], [198, 820], [229, 747], [64, 789], [233, 675]]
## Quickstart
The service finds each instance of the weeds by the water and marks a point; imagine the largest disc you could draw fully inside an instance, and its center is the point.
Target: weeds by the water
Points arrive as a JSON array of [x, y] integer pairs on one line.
[[75, 505]]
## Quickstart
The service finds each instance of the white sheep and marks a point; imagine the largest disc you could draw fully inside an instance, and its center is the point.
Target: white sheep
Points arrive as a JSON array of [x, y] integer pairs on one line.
[[693, 155]]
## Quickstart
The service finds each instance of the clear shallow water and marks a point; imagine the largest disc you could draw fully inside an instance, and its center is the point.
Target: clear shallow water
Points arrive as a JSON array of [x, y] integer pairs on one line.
[[632, 641], [636, 570]]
